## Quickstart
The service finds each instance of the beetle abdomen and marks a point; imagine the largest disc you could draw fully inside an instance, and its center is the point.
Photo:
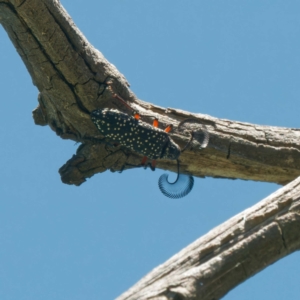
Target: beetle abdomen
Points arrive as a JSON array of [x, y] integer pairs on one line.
[[134, 134]]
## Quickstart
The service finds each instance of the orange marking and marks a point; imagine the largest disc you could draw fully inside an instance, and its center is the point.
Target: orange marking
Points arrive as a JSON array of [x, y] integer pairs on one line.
[[169, 128], [153, 164], [137, 116], [144, 160], [155, 123]]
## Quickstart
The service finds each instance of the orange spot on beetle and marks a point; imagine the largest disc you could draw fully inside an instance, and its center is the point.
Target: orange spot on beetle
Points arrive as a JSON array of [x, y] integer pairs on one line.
[[169, 128]]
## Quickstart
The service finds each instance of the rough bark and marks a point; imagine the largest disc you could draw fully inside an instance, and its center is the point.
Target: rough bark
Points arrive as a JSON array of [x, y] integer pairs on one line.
[[229, 254], [73, 79]]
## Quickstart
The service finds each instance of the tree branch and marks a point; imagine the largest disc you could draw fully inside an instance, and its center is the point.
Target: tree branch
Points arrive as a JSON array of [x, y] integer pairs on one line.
[[229, 254], [73, 79]]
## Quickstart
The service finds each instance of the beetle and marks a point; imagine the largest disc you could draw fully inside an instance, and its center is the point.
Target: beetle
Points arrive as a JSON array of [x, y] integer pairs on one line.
[[135, 134], [150, 141]]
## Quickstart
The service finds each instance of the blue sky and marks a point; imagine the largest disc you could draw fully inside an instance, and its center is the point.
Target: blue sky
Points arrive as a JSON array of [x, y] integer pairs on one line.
[[237, 60]]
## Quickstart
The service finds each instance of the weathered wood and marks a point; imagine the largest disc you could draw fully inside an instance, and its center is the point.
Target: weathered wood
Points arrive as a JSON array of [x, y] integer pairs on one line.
[[72, 79], [229, 254]]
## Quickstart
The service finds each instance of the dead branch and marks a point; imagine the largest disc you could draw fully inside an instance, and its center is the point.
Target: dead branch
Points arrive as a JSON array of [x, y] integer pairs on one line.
[[229, 254], [73, 79]]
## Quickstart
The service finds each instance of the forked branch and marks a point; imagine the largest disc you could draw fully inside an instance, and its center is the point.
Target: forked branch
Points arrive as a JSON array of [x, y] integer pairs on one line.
[[74, 79]]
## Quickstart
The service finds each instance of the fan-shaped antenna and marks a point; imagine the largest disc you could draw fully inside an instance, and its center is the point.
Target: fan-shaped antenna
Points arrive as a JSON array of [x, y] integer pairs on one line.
[[177, 189]]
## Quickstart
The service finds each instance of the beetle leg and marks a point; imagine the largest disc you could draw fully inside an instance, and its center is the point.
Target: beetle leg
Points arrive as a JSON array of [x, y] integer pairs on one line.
[[153, 165], [169, 128], [144, 160], [127, 166], [136, 115], [155, 123], [122, 100]]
